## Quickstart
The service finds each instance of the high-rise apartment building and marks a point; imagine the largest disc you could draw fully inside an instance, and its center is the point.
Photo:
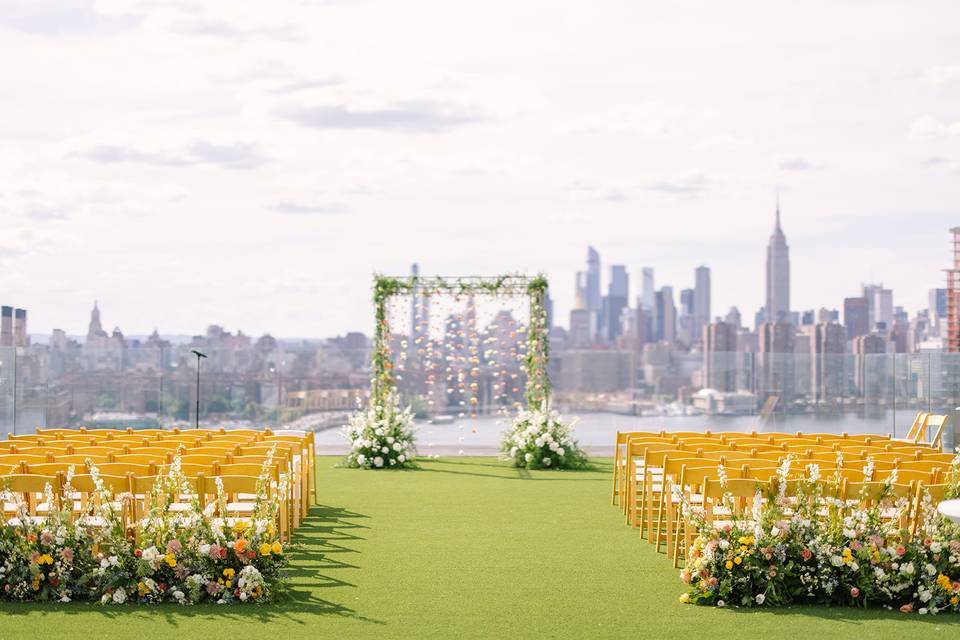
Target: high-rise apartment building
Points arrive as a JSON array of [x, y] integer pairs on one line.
[[827, 351], [720, 356], [879, 306], [581, 330], [6, 326], [775, 363], [19, 327], [666, 315], [778, 275], [870, 366], [701, 299], [593, 280], [856, 316], [953, 296], [614, 302]]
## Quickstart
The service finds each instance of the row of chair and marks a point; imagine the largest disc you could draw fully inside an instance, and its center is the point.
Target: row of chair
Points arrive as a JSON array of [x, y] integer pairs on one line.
[[204, 452], [81, 498], [647, 466]]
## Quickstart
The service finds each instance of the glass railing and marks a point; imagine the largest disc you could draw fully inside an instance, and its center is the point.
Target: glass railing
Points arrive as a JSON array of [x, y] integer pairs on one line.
[[316, 384], [304, 385]]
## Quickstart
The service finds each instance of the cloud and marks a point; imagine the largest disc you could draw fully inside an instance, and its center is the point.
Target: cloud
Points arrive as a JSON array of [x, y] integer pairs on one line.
[[295, 207], [926, 127], [723, 142], [417, 116], [58, 19], [941, 74], [605, 193], [688, 186], [227, 155], [794, 163]]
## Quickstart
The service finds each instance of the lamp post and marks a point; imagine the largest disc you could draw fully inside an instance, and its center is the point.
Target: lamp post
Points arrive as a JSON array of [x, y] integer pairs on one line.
[[199, 356]]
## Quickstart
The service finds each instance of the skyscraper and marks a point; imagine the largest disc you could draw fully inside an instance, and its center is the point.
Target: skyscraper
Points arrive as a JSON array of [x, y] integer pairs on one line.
[[778, 274], [647, 290], [856, 317], [19, 327], [666, 315], [829, 341], [701, 300], [6, 326], [615, 301], [720, 357], [593, 280], [775, 363]]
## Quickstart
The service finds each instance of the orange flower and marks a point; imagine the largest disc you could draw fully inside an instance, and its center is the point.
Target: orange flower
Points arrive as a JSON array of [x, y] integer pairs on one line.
[[240, 545]]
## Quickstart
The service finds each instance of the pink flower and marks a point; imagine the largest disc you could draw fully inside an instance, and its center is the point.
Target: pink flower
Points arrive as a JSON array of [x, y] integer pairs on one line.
[[33, 557], [67, 554], [713, 582], [726, 528], [212, 588], [902, 551], [855, 545], [807, 554], [685, 576], [46, 538], [214, 552], [907, 608], [854, 592], [174, 546]]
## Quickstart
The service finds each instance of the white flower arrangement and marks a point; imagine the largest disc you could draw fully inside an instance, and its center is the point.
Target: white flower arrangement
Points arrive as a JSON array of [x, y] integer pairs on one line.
[[381, 437], [540, 439]]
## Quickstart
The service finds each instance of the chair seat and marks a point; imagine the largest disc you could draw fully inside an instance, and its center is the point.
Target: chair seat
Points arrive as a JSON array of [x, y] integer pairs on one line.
[[240, 507]]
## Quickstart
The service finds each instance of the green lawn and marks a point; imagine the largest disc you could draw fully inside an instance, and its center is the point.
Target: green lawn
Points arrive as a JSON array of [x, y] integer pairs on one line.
[[467, 547]]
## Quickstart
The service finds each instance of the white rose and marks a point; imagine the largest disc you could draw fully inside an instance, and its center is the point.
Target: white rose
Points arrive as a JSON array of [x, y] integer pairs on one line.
[[760, 598], [119, 596], [401, 458], [547, 461], [560, 451], [378, 461], [397, 447], [361, 459], [528, 457], [390, 439], [384, 450]]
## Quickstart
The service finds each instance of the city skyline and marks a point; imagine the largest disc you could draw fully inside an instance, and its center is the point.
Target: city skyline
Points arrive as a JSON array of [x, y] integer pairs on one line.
[[254, 166]]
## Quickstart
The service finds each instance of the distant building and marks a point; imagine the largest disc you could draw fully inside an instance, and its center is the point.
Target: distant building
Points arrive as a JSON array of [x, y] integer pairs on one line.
[[829, 340], [614, 302], [856, 316], [870, 366], [776, 363], [701, 300], [6, 326], [20, 336], [595, 370], [733, 317], [720, 356], [777, 307], [666, 322], [581, 329]]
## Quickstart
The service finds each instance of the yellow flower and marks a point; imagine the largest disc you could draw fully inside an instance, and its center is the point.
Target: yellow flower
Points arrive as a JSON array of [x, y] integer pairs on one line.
[[847, 556], [737, 560], [229, 584], [240, 526], [229, 572], [729, 565], [954, 600], [684, 598], [264, 549], [170, 559], [944, 582], [277, 548]]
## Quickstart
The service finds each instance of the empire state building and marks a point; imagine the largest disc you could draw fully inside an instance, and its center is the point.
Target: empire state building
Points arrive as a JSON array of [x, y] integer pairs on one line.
[[778, 275]]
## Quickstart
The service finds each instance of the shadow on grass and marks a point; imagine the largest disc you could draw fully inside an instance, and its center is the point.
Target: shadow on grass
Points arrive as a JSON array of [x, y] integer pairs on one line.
[[318, 541], [847, 615]]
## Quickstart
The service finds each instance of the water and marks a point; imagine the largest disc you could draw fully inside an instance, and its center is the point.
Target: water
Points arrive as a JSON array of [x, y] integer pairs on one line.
[[597, 431]]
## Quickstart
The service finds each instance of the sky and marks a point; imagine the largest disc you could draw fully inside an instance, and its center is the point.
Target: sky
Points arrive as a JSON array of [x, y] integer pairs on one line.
[[252, 164]]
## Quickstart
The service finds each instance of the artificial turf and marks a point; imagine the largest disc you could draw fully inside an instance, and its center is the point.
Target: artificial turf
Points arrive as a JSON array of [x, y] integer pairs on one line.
[[467, 548]]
